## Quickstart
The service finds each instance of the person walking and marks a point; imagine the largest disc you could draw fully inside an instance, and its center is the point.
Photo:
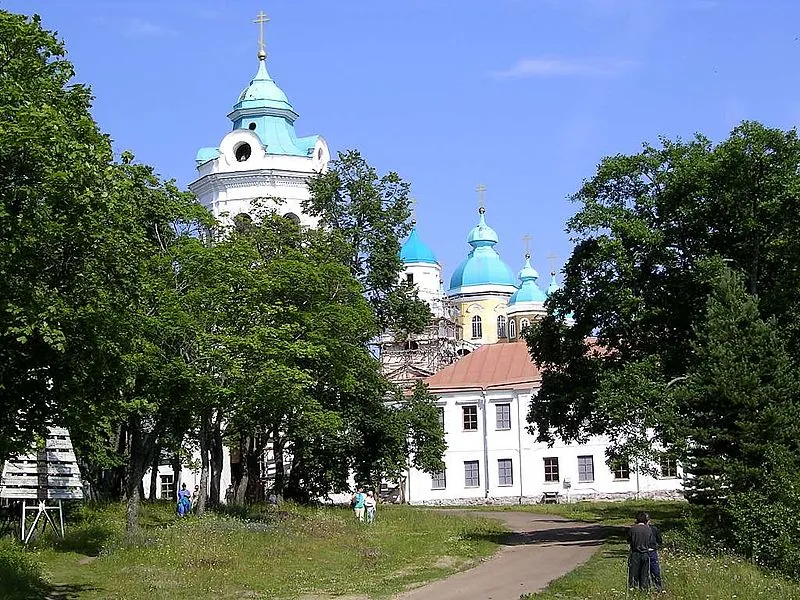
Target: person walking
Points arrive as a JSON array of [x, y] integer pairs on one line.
[[370, 502], [184, 501], [195, 498], [639, 556], [655, 564], [357, 502]]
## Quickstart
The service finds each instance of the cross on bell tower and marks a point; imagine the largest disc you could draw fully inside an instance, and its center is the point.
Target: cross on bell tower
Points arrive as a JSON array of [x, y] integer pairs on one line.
[[261, 18], [527, 240], [481, 189], [552, 257]]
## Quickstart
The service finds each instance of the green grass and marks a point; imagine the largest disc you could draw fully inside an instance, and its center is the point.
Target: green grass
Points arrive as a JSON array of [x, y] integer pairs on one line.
[[299, 552], [688, 573]]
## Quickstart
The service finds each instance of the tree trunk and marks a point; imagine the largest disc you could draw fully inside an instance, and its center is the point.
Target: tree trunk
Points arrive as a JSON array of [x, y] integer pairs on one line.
[[205, 443], [154, 475], [243, 479], [141, 446], [280, 471], [177, 469], [217, 461]]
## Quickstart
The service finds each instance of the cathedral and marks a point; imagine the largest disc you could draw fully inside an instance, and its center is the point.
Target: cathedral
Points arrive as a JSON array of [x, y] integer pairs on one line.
[[483, 304]]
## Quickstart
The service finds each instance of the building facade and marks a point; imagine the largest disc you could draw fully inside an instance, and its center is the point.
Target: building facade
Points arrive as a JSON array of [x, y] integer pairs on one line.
[[483, 400]]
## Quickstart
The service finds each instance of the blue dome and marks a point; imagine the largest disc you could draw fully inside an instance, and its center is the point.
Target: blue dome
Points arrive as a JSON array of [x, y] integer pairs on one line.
[[262, 93], [553, 287], [528, 290], [483, 266], [414, 250]]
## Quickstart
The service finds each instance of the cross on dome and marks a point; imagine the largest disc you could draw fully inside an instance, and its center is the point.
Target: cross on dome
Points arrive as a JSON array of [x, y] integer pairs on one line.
[[527, 240], [481, 189], [261, 18]]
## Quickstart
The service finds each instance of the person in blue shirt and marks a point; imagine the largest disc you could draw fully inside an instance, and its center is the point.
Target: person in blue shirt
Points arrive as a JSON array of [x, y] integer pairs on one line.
[[184, 501], [357, 502]]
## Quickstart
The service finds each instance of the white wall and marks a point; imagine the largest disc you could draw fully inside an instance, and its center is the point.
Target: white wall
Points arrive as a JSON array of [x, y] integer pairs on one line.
[[526, 455]]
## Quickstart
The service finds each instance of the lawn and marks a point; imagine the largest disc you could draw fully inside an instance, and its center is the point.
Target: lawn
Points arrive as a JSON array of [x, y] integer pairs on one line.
[[292, 553], [688, 573]]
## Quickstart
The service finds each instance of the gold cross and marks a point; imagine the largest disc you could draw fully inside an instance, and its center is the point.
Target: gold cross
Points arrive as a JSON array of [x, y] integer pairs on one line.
[[481, 189], [552, 257], [260, 20], [527, 239]]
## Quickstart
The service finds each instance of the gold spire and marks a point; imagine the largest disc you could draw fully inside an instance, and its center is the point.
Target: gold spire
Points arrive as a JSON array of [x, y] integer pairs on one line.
[[260, 20], [481, 189]]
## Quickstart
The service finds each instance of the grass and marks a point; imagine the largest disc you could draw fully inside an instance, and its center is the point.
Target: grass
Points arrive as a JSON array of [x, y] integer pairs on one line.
[[688, 573], [293, 553]]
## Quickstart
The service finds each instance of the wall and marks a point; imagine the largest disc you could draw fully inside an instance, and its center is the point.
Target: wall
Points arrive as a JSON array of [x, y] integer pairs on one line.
[[527, 457]]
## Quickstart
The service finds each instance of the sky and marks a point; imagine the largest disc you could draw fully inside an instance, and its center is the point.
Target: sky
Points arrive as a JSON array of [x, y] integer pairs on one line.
[[522, 96]]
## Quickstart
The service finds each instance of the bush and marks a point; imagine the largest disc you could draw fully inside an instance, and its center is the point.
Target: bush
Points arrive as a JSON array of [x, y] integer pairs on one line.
[[20, 574], [767, 529]]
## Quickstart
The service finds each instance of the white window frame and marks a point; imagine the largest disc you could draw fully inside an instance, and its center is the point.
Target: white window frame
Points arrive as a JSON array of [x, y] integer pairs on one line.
[[500, 423], [472, 409], [477, 327], [505, 472], [551, 474], [582, 475], [512, 329], [468, 469], [501, 327], [439, 480], [166, 482]]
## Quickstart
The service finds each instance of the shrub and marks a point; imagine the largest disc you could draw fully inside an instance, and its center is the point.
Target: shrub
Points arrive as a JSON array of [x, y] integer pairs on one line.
[[20, 574]]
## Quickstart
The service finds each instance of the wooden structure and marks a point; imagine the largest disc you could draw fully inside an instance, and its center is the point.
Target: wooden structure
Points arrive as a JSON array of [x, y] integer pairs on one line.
[[40, 481]]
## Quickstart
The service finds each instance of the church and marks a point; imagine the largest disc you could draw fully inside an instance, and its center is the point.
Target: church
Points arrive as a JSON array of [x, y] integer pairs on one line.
[[471, 355]]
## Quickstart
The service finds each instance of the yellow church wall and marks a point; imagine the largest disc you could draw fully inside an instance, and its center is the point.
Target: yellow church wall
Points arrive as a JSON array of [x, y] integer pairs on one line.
[[487, 310]]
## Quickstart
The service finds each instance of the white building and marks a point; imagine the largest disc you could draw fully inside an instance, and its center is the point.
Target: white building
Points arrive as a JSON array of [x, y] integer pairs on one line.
[[261, 158], [483, 401]]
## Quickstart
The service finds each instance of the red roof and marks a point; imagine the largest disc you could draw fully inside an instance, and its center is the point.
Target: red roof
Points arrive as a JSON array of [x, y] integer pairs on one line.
[[495, 366]]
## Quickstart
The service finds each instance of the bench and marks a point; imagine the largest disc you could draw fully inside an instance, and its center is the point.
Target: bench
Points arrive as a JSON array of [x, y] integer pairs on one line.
[[550, 498]]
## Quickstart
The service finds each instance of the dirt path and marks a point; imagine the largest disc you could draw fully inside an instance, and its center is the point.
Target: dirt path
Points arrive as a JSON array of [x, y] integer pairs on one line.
[[540, 549]]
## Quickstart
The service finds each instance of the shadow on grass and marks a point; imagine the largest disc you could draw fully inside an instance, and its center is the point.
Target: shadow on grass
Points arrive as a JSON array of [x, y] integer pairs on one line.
[[65, 592], [88, 539]]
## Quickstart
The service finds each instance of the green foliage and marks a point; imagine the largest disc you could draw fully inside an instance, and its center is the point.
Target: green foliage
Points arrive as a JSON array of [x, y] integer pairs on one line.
[[20, 575], [370, 213]]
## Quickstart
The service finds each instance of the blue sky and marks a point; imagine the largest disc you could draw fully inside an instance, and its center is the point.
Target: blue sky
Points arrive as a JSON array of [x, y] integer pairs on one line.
[[524, 96]]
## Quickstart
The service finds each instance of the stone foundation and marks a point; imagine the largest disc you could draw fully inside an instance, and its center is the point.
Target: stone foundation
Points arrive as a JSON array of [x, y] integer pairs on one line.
[[576, 497]]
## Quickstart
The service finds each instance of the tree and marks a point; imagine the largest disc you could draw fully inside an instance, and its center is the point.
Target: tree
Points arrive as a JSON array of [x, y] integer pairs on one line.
[[370, 215], [651, 234], [739, 407]]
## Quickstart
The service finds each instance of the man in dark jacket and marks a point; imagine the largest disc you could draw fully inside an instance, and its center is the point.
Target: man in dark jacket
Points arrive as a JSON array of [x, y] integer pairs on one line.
[[655, 565], [639, 538]]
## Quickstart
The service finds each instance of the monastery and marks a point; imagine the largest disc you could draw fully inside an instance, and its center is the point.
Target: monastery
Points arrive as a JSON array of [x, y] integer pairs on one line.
[[470, 356]]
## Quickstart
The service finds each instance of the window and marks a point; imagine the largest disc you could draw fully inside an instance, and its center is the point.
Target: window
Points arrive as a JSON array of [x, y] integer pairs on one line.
[[472, 477], [551, 469], [477, 328], [512, 329], [441, 416], [586, 468], [470, 418], [410, 278], [622, 471], [252, 126], [503, 414], [438, 480], [505, 472], [292, 217], [167, 487], [669, 467], [501, 326], [242, 152], [523, 325]]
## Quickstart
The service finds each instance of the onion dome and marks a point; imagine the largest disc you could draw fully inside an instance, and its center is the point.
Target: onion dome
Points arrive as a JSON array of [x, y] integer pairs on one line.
[[528, 290], [553, 287], [483, 265], [414, 250]]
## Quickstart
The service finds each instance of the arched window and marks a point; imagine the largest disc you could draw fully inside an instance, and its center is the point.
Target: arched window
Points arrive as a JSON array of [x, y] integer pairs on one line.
[[477, 328], [523, 325], [512, 329], [292, 217], [501, 326]]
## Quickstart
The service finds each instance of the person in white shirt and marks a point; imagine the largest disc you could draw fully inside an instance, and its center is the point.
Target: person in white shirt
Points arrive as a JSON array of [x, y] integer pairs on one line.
[[369, 504]]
